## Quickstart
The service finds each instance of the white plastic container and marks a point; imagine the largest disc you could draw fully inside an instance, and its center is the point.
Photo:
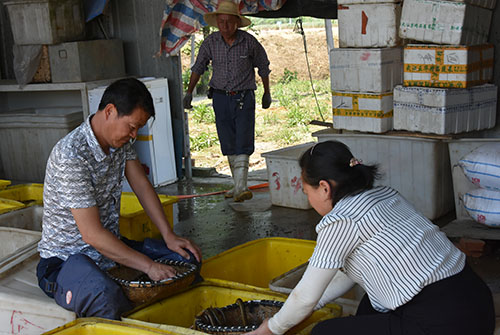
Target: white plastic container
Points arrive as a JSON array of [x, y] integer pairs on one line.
[[29, 218], [366, 70], [444, 22], [419, 168], [28, 136], [284, 175], [445, 110], [369, 112], [369, 25], [461, 185], [24, 308], [155, 141], [447, 65], [46, 21]]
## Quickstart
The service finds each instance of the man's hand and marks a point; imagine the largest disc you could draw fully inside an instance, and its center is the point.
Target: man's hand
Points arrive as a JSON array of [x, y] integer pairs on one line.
[[178, 244], [158, 271], [266, 100], [186, 102]]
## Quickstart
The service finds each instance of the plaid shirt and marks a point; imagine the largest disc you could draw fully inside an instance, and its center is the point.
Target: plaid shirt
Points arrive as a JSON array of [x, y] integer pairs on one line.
[[233, 66], [80, 175]]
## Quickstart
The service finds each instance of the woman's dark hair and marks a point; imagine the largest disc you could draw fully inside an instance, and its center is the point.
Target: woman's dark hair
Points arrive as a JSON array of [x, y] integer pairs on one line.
[[332, 160], [128, 94]]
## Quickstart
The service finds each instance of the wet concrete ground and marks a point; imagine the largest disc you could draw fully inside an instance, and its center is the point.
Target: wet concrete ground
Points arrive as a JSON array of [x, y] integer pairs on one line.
[[217, 224]]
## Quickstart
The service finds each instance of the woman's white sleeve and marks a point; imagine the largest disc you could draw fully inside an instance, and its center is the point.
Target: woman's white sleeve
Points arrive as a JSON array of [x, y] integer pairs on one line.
[[339, 285], [302, 299]]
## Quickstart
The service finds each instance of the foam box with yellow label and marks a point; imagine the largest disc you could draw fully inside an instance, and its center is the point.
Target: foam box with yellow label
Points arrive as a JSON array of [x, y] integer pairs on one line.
[[445, 22], [447, 65], [370, 112], [445, 110]]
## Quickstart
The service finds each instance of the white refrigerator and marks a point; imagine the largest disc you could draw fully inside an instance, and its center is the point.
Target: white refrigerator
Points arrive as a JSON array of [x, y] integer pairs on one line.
[[155, 141]]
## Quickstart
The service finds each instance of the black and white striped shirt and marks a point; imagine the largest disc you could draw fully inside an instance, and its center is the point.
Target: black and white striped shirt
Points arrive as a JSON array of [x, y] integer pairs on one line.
[[381, 242]]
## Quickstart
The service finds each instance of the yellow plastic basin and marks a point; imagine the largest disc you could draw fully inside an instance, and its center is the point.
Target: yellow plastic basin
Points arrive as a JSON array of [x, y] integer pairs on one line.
[[135, 224], [180, 310], [7, 205], [257, 262], [25, 193], [4, 183], [98, 326]]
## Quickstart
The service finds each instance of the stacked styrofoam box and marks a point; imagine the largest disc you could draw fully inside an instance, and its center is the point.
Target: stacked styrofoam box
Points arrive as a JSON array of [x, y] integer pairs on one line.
[[367, 65], [458, 61], [445, 111]]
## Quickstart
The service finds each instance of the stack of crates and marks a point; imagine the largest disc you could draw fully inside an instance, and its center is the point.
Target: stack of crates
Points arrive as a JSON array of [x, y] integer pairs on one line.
[[59, 28], [446, 77], [367, 66]]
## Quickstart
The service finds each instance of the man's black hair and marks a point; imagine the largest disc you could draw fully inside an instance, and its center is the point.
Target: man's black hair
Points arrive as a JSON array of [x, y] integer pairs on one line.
[[128, 94]]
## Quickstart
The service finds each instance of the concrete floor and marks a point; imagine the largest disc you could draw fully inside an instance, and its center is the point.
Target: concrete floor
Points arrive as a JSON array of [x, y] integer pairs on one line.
[[217, 224]]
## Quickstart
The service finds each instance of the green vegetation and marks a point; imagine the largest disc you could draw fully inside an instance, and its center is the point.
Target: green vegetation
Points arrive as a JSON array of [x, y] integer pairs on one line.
[[203, 140]]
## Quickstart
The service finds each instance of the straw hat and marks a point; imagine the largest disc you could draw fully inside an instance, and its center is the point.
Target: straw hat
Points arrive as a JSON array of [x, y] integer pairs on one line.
[[225, 7]]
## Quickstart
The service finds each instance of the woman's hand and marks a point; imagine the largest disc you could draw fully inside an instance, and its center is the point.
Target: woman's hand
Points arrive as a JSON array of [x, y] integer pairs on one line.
[[262, 330]]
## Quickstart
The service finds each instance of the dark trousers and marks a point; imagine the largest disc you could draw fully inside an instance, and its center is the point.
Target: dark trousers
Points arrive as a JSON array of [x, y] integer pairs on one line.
[[458, 305], [79, 285], [235, 121]]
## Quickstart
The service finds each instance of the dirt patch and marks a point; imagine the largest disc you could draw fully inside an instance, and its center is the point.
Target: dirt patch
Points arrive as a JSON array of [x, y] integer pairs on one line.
[[285, 50]]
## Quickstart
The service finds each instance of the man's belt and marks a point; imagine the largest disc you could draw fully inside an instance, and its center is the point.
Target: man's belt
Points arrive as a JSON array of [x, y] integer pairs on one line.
[[229, 93]]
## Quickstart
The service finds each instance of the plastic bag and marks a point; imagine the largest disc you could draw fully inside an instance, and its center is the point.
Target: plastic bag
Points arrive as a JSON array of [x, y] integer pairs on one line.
[[26, 62]]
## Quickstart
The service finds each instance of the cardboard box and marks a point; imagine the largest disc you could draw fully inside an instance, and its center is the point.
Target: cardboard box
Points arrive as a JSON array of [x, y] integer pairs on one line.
[[448, 66], [369, 112], [376, 70], [444, 22], [445, 110], [86, 61], [369, 25]]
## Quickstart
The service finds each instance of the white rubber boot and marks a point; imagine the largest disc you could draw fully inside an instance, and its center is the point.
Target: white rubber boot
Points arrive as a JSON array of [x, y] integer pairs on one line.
[[230, 159], [241, 191]]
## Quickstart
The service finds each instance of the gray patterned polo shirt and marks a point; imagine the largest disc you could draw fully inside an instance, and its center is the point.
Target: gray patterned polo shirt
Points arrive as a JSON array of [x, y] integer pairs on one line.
[[80, 175]]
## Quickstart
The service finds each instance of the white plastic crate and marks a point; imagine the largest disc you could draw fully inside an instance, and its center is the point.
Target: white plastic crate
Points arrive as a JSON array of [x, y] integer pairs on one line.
[[375, 70], [444, 22], [284, 176], [448, 65], [24, 308], [28, 137], [419, 168], [445, 110], [29, 218], [369, 112], [46, 21], [461, 185], [369, 25]]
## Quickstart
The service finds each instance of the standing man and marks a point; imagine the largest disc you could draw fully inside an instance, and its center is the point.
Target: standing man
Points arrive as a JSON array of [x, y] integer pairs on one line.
[[234, 55], [82, 192]]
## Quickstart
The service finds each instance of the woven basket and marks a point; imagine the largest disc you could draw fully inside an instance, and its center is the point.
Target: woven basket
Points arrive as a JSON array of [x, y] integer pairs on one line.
[[139, 288], [237, 318]]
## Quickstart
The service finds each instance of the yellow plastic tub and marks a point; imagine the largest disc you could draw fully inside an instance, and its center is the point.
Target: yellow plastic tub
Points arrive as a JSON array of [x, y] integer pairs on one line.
[[256, 263], [4, 183], [135, 224], [7, 205], [99, 326], [25, 193], [180, 310]]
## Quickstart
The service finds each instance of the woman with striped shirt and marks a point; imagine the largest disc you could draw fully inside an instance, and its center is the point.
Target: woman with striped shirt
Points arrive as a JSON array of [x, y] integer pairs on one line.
[[416, 280]]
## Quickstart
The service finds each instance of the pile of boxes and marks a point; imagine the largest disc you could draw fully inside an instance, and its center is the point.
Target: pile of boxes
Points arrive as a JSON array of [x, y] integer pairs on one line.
[[59, 28], [438, 88]]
